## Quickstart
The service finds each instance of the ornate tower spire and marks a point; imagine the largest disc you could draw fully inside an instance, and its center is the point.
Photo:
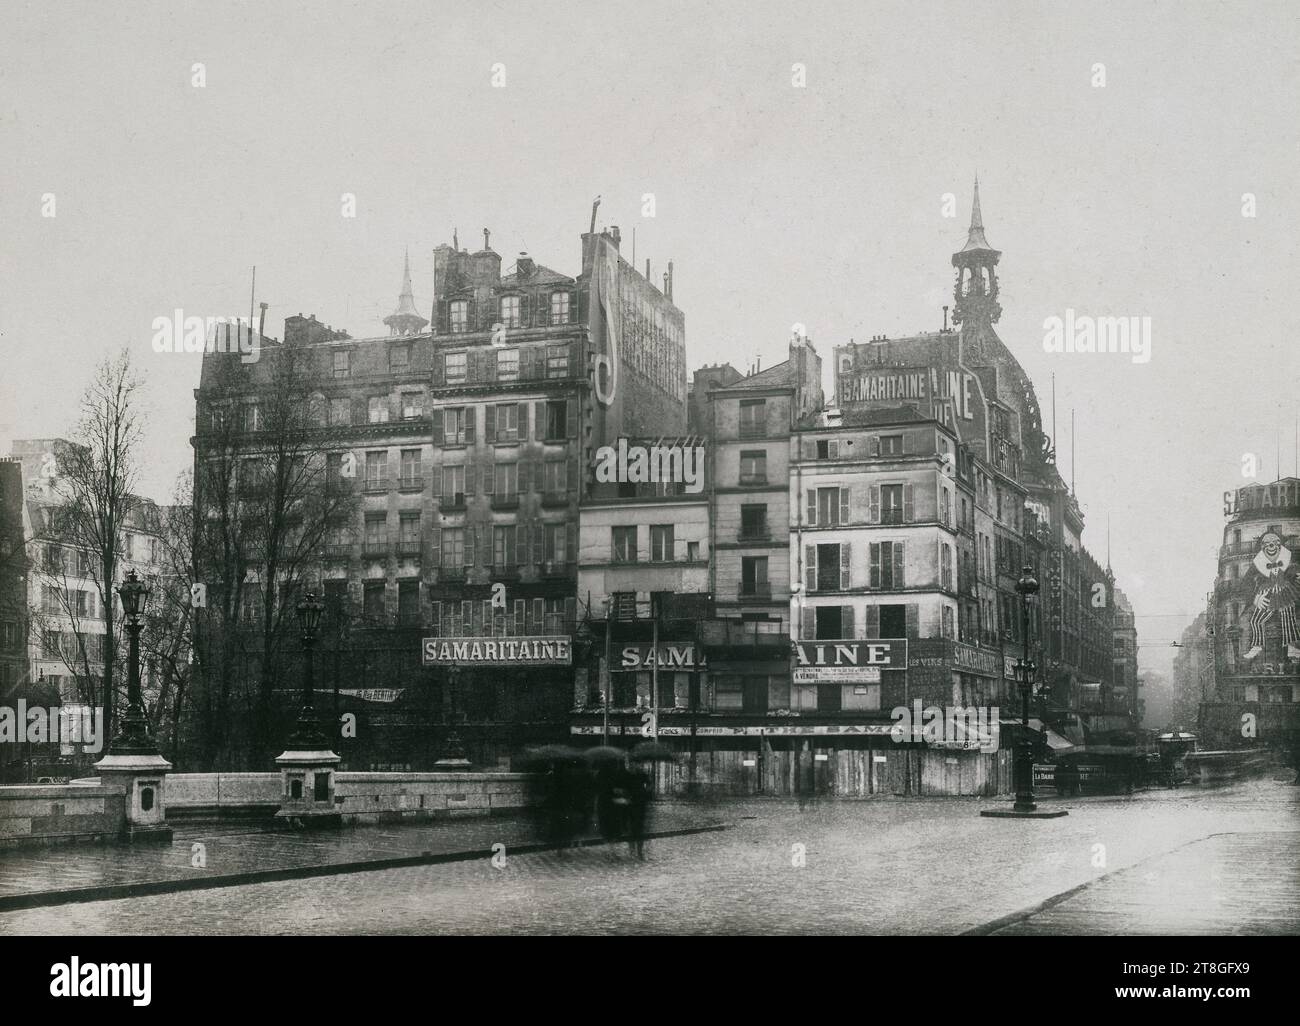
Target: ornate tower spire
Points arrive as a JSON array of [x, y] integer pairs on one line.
[[976, 293], [406, 320]]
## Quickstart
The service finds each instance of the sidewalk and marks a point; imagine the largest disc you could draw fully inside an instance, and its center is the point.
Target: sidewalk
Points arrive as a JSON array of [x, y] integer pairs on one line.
[[1225, 885], [235, 855]]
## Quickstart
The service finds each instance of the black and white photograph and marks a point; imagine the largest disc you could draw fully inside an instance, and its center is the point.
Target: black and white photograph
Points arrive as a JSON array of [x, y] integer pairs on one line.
[[651, 470]]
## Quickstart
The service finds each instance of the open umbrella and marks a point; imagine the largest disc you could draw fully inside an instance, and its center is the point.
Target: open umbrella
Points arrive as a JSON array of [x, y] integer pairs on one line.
[[651, 751], [551, 753], [604, 754]]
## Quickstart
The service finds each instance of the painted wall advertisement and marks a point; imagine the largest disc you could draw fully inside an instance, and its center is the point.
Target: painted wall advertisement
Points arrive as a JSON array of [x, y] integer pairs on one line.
[[846, 662]]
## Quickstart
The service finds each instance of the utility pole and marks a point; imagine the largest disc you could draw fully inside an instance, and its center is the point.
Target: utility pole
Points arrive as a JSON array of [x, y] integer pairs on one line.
[[654, 668], [604, 670]]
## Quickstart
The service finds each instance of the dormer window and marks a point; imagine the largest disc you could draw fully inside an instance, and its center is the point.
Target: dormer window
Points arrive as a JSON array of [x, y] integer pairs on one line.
[[460, 315]]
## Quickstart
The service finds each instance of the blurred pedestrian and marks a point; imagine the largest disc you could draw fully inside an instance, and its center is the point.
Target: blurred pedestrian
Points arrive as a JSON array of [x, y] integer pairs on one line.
[[637, 790]]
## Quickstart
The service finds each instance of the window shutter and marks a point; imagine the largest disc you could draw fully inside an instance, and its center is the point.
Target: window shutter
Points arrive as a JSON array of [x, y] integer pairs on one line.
[[490, 432], [846, 566], [874, 505], [489, 478], [899, 548], [436, 423], [543, 309], [903, 442], [913, 620], [908, 508], [571, 418], [810, 448], [846, 621], [435, 546], [809, 626], [874, 445], [573, 308], [525, 310], [525, 478], [570, 613], [571, 543], [471, 423], [810, 567], [871, 626], [523, 535], [834, 448], [444, 316], [439, 370], [523, 422], [539, 420], [844, 504], [812, 507], [873, 580], [435, 616], [471, 478], [471, 315], [360, 411]]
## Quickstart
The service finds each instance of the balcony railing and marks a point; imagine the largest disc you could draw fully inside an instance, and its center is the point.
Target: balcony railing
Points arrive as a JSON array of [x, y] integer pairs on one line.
[[510, 501], [892, 516], [505, 571], [376, 549], [753, 479], [452, 503], [411, 483], [758, 590], [409, 548], [377, 483], [555, 568], [753, 430], [754, 534], [339, 550]]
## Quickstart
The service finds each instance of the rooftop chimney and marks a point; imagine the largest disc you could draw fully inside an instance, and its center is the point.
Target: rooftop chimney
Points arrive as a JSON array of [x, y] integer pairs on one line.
[[524, 266]]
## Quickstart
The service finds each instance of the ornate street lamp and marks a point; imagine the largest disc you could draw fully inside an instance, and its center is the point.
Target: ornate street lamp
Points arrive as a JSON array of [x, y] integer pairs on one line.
[[308, 762], [454, 755], [133, 761], [133, 736], [307, 735], [1026, 670]]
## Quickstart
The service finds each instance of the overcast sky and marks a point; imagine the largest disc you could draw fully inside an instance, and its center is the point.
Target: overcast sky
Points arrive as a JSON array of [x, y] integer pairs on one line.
[[821, 205]]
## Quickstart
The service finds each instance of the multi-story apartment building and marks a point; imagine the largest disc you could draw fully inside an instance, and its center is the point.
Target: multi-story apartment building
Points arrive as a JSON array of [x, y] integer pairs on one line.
[[643, 571], [874, 541], [749, 426], [470, 443], [1125, 682], [1251, 627], [57, 641]]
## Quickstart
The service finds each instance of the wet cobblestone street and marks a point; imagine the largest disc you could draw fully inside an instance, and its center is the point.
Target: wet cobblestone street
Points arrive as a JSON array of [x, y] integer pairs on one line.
[[1193, 860]]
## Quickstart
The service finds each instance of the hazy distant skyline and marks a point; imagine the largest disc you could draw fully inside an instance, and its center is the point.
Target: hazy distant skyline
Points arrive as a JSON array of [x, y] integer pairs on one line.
[[822, 205]]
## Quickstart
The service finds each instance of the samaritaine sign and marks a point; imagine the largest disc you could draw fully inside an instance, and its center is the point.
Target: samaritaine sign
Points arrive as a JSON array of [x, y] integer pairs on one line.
[[552, 650], [846, 662]]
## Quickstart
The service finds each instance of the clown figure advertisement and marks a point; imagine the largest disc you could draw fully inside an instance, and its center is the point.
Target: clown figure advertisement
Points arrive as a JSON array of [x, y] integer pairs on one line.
[[1273, 580]]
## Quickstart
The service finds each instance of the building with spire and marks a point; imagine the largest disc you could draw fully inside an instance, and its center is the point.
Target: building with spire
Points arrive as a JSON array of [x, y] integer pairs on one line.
[[966, 381], [406, 319]]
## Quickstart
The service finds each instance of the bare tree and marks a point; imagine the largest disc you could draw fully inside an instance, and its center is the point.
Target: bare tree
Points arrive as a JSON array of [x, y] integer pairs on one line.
[[263, 507], [97, 473]]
